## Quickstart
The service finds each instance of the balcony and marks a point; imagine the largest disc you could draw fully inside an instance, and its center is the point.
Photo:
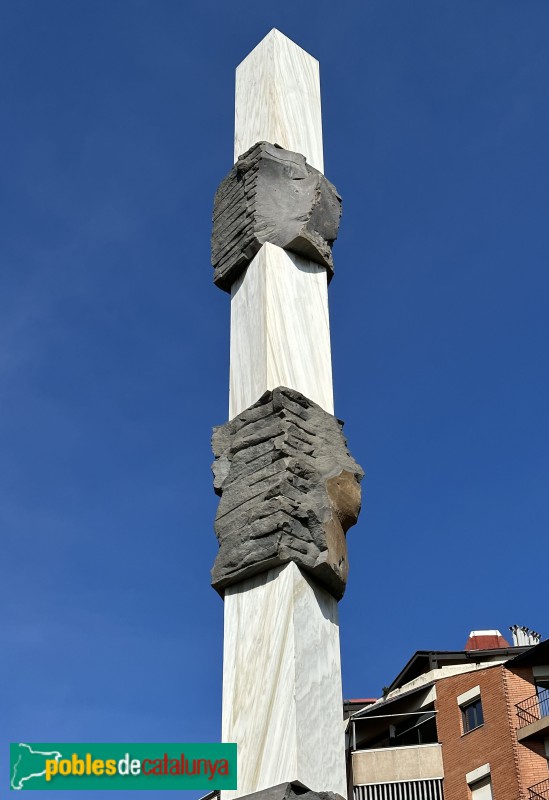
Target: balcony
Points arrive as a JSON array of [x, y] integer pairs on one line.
[[393, 764], [533, 717], [540, 791]]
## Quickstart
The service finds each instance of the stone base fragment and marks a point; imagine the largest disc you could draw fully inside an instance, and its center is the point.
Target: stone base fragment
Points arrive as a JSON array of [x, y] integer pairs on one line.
[[290, 791]]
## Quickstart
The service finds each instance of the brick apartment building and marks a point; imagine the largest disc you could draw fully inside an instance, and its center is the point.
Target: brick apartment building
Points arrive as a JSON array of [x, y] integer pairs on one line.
[[460, 725]]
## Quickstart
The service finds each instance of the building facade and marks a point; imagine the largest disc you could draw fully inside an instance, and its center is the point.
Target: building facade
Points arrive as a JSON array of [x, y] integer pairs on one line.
[[458, 725]]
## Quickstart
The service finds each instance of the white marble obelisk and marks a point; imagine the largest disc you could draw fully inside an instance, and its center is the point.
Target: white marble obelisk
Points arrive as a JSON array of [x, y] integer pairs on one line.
[[280, 332], [282, 697]]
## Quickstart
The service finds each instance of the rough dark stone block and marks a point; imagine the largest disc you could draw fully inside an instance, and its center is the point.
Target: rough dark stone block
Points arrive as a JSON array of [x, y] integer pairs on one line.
[[289, 491], [272, 195], [290, 791]]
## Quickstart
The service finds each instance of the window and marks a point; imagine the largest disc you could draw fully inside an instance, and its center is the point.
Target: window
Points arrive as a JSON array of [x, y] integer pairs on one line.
[[542, 690], [471, 709], [482, 790], [471, 715], [480, 783]]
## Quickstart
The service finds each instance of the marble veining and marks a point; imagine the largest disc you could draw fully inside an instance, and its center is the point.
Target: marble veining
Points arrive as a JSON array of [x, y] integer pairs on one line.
[[280, 333], [282, 691], [278, 99]]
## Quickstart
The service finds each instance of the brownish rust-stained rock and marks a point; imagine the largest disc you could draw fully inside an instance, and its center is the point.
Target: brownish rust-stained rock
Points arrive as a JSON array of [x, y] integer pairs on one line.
[[272, 195], [289, 490]]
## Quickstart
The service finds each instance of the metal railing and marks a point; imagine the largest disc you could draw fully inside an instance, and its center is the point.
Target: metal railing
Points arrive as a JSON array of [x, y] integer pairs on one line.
[[428, 789], [533, 708], [540, 791]]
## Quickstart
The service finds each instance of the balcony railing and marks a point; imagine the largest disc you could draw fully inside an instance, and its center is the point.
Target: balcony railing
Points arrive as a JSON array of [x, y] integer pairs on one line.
[[533, 708], [540, 791]]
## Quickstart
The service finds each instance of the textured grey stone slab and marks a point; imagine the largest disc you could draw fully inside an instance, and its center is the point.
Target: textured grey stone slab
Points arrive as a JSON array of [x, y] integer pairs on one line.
[[289, 491], [272, 195], [290, 791]]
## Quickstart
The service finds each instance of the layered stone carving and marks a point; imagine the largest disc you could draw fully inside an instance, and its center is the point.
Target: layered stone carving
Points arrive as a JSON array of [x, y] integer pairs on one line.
[[290, 791], [289, 491], [272, 195]]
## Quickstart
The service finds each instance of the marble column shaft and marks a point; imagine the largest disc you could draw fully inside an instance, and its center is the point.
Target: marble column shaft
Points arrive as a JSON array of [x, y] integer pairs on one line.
[[282, 683], [282, 697], [280, 330]]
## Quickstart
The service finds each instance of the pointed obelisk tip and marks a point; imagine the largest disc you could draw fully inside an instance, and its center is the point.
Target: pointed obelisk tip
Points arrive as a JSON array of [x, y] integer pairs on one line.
[[278, 99], [276, 36]]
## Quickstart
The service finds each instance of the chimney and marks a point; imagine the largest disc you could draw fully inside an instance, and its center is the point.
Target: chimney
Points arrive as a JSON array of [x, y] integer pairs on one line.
[[524, 637], [485, 640]]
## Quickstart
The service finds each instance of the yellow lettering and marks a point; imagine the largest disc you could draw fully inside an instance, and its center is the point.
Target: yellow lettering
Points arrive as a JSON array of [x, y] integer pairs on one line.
[[110, 767], [98, 766], [77, 765], [51, 768]]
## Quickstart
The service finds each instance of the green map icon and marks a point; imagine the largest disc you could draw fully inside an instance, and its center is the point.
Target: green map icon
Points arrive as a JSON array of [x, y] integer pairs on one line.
[[28, 764]]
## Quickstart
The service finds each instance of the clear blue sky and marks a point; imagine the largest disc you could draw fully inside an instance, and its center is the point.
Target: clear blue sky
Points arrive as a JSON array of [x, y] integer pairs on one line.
[[116, 125]]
